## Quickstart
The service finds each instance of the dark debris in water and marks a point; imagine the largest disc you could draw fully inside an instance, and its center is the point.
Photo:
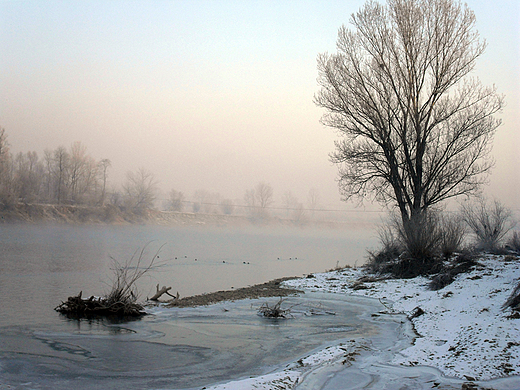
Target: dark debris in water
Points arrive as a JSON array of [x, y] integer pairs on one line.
[[78, 307]]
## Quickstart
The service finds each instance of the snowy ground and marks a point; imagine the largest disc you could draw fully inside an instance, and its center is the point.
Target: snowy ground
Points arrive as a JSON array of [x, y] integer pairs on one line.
[[463, 336]]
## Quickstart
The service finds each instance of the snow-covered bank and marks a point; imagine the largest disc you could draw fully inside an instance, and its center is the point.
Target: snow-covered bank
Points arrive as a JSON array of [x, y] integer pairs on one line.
[[463, 336]]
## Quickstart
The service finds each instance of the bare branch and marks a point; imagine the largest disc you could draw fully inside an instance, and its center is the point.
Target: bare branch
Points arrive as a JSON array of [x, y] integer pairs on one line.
[[416, 129]]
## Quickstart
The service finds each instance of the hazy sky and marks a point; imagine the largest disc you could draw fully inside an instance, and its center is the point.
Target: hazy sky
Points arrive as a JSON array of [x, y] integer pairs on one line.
[[214, 95]]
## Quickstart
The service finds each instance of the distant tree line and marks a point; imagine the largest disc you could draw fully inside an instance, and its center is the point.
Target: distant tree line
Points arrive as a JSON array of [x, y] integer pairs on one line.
[[61, 176], [70, 176], [258, 203]]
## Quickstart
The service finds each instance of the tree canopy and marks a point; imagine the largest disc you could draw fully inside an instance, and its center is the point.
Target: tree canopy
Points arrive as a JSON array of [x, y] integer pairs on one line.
[[416, 127]]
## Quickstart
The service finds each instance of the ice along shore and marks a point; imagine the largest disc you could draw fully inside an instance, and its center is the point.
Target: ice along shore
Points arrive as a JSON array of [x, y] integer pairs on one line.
[[462, 340]]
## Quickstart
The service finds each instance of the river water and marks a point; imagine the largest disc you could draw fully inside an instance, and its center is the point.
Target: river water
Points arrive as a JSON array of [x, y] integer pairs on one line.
[[41, 265]]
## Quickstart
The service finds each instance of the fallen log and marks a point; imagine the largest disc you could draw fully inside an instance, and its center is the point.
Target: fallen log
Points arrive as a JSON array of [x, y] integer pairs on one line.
[[160, 292]]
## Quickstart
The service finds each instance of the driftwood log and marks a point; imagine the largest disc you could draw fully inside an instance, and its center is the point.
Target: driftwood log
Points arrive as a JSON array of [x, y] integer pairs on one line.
[[160, 292]]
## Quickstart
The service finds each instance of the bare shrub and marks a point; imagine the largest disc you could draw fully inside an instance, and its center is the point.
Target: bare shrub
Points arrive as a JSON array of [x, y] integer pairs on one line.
[[124, 289], [462, 263], [513, 302], [275, 311], [389, 253], [121, 301], [441, 280], [489, 223], [451, 235], [514, 242], [227, 206], [412, 249], [420, 236], [408, 267]]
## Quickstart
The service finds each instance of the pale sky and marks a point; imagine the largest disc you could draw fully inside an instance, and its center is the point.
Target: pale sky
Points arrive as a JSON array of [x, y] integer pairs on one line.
[[214, 95]]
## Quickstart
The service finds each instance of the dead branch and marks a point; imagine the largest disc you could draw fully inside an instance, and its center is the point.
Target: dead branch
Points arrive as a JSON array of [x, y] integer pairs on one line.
[[274, 312], [160, 292]]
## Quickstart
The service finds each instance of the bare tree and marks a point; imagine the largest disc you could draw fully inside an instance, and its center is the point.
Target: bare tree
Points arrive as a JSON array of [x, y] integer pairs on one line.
[[103, 169], [289, 202], [250, 199], [264, 195], [140, 190], [176, 201], [60, 173], [259, 199], [48, 176], [29, 173], [207, 201], [7, 194], [313, 199], [293, 208], [4, 150], [77, 165], [83, 175], [416, 128]]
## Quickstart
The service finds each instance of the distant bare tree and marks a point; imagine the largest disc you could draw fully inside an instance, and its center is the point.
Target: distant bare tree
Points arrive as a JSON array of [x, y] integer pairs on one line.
[[289, 202], [250, 199], [84, 175], [293, 209], [227, 206], [60, 173], [417, 130], [298, 214], [140, 190], [264, 195], [29, 173], [4, 151], [7, 193], [103, 170], [77, 167], [175, 201], [313, 200], [206, 200], [259, 199]]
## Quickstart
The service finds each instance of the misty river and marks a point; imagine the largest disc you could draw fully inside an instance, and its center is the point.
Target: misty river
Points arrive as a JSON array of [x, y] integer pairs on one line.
[[41, 265]]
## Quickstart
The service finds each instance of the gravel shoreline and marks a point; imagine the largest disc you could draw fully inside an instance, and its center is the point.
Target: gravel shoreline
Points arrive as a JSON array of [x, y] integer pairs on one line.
[[272, 288]]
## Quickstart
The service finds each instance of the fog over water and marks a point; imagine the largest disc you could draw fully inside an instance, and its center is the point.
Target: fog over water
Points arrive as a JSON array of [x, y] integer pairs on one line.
[[43, 265]]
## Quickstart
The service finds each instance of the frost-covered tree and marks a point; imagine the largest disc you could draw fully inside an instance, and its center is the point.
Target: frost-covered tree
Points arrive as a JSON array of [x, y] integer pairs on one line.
[[416, 128]]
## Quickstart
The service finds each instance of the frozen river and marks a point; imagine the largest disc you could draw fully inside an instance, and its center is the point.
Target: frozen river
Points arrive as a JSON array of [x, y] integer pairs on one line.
[[180, 348], [40, 266]]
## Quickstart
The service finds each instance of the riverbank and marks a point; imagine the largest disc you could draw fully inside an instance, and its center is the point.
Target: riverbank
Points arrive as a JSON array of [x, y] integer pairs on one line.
[[116, 215], [110, 215], [463, 338]]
